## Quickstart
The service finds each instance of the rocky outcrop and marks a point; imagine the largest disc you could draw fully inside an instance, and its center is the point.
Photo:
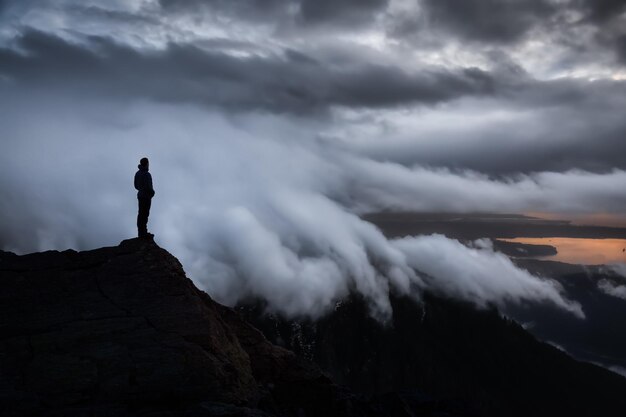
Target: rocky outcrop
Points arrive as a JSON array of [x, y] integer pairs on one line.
[[122, 331]]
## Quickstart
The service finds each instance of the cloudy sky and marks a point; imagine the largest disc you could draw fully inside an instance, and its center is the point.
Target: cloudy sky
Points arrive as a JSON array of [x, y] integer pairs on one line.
[[271, 124]]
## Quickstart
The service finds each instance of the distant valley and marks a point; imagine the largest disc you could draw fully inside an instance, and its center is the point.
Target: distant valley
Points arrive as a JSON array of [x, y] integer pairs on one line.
[[599, 338]]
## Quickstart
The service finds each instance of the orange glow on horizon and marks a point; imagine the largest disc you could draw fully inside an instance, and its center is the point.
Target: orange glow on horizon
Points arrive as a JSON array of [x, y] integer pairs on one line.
[[580, 251], [592, 219]]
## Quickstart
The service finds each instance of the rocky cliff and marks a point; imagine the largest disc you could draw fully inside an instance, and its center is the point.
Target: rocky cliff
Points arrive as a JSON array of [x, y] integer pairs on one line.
[[121, 331]]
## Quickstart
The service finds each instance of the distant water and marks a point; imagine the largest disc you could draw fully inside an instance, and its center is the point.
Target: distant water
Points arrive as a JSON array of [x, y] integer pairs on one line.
[[580, 251]]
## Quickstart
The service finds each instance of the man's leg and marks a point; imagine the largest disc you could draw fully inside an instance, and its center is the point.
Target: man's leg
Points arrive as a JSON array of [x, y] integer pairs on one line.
[[142, 216], [148, 204]]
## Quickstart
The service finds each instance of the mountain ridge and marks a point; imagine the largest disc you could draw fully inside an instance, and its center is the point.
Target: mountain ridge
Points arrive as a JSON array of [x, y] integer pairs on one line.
[[447, 349], [121, 331]]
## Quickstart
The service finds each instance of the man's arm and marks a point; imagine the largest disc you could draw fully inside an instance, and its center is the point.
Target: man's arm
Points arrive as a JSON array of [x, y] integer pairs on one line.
[[137, 181], [150, 188]]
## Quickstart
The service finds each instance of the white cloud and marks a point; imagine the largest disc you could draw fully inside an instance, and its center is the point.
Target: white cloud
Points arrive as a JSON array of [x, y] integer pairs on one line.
[[478, 274], [253, 206], [387, 185], [618, 268], [610, 288]]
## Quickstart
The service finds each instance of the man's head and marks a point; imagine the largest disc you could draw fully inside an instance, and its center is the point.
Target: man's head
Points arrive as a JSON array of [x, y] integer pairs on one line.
[[144, 162]]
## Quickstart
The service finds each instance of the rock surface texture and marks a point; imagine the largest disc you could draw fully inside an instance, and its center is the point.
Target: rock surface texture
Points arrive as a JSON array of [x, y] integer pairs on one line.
[[122, 331]]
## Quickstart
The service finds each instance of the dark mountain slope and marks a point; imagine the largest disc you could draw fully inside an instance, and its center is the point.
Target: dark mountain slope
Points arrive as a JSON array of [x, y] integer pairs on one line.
[[449, 349], [121, 331], [601, 337]]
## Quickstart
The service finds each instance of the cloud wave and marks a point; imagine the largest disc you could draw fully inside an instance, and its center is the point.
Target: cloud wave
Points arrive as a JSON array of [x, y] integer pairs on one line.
[[251, 214]]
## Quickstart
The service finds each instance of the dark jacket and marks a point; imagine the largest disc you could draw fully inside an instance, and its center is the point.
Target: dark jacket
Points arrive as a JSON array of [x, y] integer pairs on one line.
[[143, 183]]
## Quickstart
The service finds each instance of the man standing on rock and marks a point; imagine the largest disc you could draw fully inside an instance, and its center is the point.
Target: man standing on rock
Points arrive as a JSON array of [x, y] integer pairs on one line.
[[145, 192]]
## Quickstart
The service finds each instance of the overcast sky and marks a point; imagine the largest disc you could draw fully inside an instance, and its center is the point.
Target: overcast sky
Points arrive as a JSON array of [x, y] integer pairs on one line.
[[293, 116]]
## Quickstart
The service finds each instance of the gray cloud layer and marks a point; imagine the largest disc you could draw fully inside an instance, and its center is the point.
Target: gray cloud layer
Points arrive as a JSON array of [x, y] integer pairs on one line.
[[292, 82], [272, 124], [289, 82], [339, 12], [250, 213], [488, 20], [550, 126]]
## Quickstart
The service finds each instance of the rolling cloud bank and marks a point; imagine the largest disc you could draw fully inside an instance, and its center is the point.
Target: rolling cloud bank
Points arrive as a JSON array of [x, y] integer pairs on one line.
[[270, 129], [250, 215]]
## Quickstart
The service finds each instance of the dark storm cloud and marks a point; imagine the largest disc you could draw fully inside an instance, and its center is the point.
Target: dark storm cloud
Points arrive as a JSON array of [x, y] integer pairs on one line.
[[99, 13], [608, 18], [581, 31], [303, 11], [621, 48], [244, 8], [555, 125], [602, 10], [347, 10], [497, 21], [287, 82]]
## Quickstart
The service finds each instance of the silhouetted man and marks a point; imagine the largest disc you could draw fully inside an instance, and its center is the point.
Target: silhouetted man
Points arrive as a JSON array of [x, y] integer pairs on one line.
[[145, 192]]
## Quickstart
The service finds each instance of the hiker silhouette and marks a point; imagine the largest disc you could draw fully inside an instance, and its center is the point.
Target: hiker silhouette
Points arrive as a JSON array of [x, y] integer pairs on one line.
[[145, 192]]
